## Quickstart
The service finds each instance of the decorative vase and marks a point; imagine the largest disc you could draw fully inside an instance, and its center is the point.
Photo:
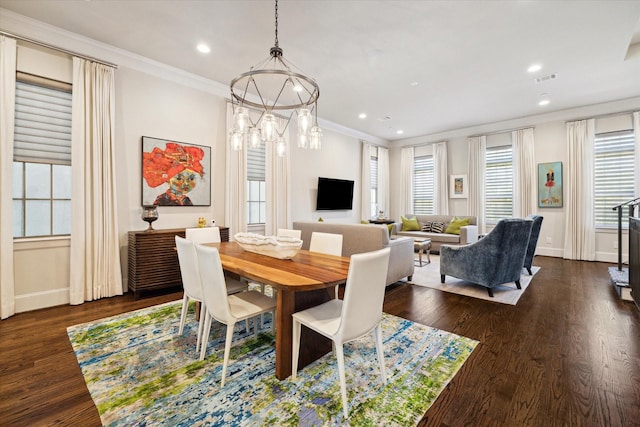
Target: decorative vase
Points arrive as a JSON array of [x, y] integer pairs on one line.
[[149, 214]]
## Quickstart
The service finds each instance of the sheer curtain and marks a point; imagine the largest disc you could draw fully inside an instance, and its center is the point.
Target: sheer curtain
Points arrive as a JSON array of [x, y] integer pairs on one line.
[[277, 183], [383, 180], [95, 250], [235, 197], [524, 168], [7, 119], [365, 182], [476, 174], [636, 134], [440, 176], [406, 180], [580, 232]]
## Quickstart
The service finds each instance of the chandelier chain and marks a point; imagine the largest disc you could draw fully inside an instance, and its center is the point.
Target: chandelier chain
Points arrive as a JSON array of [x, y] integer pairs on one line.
[[276, 23]]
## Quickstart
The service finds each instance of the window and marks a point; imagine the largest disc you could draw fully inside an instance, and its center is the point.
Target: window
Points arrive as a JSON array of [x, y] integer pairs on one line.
[[498, 192], [423, 192], [613, 177], [373, 172], [256, 186], [42, 161]]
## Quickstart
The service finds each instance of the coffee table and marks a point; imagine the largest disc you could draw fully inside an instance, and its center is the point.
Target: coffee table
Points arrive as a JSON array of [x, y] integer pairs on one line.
[[422, 245]]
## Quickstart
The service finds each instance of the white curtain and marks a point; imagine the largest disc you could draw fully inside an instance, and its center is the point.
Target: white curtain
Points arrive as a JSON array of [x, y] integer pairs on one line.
[[524, 172], [95, 250], [636, 133], [7, 119], [476, 164], [277, 182], [579, 231], [235, 197], [440, 176], [383, 180], [406, 181], [365, 182]]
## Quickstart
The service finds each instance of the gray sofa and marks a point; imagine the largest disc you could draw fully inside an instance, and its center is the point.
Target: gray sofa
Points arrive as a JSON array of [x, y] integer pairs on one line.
[[359, 238], [468, 234]]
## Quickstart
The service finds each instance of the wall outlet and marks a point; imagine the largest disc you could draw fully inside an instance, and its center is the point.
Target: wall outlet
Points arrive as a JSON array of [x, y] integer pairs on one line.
[[549, 241]]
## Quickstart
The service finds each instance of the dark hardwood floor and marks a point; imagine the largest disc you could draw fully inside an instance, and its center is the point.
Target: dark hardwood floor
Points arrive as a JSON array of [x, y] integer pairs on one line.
[[567, 355]]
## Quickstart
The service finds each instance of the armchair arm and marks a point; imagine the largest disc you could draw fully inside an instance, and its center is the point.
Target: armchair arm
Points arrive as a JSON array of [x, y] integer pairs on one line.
[[401, 259], [395, 227], [468, 234]]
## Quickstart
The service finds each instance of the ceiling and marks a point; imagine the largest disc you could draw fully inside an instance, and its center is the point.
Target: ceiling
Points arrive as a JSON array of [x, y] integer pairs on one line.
[[422, 67]]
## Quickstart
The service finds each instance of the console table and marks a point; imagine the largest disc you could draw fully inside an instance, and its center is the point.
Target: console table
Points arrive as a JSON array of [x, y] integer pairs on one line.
[[153, 260]]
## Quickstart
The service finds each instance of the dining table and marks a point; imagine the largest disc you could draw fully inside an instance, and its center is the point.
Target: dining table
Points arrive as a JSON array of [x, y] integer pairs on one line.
[[305, 280]]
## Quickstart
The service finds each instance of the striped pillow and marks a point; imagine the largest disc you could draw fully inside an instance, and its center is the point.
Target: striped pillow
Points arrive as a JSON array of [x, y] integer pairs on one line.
[[437, 227], [426, 226]]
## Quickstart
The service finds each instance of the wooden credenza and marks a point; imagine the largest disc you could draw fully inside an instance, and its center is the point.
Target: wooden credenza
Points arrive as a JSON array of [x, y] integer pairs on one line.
[[153, 260]]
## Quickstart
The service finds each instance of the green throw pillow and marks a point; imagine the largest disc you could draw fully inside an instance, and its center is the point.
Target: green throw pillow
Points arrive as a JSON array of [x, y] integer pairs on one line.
[[390, 227], [410, 224], [455, 225]]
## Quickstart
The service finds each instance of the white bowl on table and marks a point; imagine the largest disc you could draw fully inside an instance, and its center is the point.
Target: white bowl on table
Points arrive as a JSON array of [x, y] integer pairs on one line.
[[282, 247]]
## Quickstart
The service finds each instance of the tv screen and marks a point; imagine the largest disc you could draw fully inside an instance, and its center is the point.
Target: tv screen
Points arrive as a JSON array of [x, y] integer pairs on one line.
[[334, 194]]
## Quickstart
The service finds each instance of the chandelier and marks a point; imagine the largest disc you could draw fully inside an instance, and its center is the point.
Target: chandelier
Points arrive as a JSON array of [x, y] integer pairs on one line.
[[274, 85]]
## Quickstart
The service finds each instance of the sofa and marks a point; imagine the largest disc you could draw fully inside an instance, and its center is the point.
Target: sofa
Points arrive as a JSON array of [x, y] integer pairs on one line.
[[359, 238], [468, 234]]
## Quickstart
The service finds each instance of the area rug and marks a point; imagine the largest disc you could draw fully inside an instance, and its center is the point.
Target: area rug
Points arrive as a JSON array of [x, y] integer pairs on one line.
[[429, 276], [139, 372]]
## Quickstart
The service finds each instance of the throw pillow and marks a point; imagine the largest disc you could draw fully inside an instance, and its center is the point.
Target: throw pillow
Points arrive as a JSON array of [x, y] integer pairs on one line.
[[437, 227], [390, 227], [455, 225], [427, 226], [410, 224]]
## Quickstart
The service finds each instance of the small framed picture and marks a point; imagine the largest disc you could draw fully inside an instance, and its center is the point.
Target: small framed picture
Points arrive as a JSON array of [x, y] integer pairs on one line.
[[550, 185], [458, 187]]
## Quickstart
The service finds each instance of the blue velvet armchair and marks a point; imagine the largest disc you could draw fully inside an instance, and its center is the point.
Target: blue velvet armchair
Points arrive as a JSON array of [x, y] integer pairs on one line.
[[533, 241], [495, 259]]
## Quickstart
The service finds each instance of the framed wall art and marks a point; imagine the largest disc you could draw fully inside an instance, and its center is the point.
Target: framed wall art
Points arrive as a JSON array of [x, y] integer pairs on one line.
[[550, 185], [458, 187], [175, 173]]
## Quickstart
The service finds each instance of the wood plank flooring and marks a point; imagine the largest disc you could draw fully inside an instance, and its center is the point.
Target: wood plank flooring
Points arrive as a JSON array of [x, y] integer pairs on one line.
[[567, 355]]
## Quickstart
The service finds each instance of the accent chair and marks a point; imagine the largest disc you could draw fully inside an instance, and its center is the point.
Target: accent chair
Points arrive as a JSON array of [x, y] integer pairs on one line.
[[533, 241]]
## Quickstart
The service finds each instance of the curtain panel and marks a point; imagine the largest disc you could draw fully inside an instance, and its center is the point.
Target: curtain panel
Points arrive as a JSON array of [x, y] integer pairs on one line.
[[580, 232], [440, 177], [406, 180], [476, 165], [383, 180], [277, 170], [636, 134], [7, 120], [235, 197], [524, 173], [95, 250], [365, 182]]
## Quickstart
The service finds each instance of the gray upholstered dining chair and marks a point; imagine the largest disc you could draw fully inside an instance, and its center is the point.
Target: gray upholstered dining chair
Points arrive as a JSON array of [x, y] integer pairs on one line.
[[493, 260], [533, 241]]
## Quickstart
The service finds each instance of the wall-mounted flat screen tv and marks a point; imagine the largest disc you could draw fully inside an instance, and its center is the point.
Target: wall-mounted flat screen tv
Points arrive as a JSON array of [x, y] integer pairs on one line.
[[334, 194]]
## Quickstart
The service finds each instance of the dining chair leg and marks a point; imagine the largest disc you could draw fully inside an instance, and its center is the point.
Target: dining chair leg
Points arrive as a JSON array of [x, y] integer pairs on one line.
[[227, 350], [343, 383], [380, 350], [183, 314], [295, 348], [205, 335], [203, 313]]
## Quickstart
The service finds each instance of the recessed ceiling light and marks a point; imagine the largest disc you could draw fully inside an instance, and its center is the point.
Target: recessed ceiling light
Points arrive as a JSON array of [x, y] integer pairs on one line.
[[544, 102], [414, 84], [362, 115], [534, 68], [297, 88], [399, 132], [203, 48]]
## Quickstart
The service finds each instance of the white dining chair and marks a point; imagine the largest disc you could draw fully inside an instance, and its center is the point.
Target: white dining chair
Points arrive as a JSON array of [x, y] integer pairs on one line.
[[226, 309], [326, 243], [203, 234], [359, 313], [286, 232]]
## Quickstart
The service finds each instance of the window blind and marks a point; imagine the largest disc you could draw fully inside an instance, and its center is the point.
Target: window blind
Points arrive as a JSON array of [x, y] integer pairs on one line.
[[373, 181], [42, 132], [498, 184], [613, 176], [423, 192], [256, 163]]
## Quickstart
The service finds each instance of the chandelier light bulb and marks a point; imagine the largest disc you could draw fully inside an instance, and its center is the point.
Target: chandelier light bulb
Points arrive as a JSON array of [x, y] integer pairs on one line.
[[268, 127], [304, 121], [241, 119], [315, 138], [303, 140], [254, 137], [235, 140], [281, 147]]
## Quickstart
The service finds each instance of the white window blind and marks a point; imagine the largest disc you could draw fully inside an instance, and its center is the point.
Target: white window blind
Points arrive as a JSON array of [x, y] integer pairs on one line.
[[42, 125], [498, 184], [423, 191], [373, 171], [256, 185], [613, 177]]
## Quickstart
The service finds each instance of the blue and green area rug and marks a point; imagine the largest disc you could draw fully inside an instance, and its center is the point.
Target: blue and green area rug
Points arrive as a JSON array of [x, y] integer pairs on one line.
[[140, 372]]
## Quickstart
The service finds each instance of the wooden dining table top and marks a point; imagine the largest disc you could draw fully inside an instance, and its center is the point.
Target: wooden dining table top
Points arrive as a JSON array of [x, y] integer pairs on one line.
[[305, 271]]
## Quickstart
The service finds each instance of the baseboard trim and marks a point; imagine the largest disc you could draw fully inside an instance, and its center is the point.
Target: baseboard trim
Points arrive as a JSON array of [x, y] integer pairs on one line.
[[44, 299]]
